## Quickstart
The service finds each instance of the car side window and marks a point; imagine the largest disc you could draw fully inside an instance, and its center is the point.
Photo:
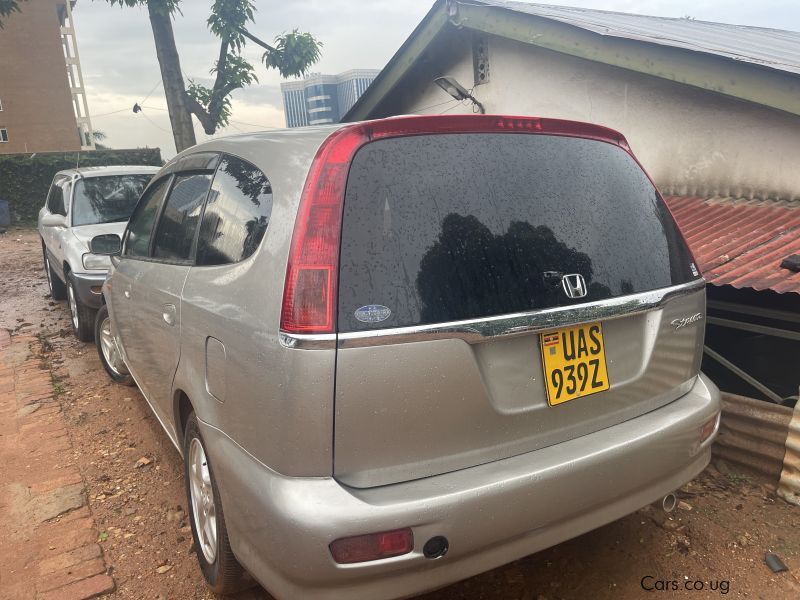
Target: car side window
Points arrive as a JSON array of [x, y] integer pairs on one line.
[[237, 213], [178, 224], [55, 198], [140, 228]]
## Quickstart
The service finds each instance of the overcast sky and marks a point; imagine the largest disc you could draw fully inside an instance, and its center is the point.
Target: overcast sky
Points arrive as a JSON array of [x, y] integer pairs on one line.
[[120, 66]]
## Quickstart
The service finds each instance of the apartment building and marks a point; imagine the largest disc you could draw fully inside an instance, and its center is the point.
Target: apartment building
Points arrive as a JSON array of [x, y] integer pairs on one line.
[[320, 99], [42, 100]]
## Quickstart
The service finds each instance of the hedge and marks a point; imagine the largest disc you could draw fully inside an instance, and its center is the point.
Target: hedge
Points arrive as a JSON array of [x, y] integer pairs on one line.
[[25, 178]]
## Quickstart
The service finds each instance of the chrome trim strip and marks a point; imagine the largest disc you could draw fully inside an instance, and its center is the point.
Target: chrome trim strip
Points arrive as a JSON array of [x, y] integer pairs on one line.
[[480, 330], [325, 341]]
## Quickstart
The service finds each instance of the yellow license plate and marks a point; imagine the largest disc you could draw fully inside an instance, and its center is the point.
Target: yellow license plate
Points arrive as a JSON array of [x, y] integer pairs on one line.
[[574, 361]]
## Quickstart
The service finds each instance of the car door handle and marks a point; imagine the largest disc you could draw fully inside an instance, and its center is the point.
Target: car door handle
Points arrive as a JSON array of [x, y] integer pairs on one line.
[[169, 314]]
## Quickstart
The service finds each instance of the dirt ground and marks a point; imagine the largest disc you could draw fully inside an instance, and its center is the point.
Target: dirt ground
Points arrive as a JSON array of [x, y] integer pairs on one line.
[[713, 544]]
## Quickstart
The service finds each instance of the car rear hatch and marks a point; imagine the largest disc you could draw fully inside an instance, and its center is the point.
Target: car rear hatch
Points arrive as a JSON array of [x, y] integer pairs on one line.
[[471, 247]]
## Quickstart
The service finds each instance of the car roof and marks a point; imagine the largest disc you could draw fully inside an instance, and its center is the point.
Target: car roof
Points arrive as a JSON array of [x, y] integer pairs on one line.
[[295, 147], [255, 142], [88, 172]]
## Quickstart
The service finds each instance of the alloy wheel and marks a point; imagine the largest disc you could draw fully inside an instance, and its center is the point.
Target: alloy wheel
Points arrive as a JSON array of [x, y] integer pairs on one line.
[[202, 498], [108, 346], [73, 305], [49, 277]]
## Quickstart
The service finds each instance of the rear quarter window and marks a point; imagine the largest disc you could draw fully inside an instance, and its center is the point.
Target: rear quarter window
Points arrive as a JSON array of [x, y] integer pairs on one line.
[[236, 215], [461, 226]]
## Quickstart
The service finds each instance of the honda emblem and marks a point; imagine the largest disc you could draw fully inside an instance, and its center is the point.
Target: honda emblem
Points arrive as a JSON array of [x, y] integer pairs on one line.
[[574, 285]]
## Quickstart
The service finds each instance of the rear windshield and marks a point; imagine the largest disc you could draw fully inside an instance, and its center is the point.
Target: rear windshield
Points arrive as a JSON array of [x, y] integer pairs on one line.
[[461, 226], [106, 199]]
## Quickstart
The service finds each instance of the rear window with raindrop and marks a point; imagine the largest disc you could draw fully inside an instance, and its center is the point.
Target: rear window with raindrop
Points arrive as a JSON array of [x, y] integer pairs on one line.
[[448, 227]]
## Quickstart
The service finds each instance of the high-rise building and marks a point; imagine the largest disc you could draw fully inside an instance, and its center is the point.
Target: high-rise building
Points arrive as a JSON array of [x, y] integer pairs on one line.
[[319, 99], [42, 97]]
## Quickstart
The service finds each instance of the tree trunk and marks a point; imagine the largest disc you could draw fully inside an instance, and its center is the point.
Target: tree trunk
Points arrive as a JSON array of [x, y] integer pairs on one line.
[[171, 75]]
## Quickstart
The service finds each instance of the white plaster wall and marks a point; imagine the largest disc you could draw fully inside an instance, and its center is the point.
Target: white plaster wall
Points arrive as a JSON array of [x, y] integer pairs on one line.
[[690, 141]]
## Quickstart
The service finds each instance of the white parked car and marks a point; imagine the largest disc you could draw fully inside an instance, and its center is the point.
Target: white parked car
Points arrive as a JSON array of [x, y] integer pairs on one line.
[[81, 204]]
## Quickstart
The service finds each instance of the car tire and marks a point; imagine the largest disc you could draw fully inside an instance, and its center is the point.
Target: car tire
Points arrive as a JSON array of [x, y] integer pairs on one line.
[[58, 291], [223, 573], [107, 349], [81, 316]]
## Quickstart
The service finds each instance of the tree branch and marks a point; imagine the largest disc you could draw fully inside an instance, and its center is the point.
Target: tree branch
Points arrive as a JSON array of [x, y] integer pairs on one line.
[[253, 38], [222, 62], [194, 107], [217, 94]]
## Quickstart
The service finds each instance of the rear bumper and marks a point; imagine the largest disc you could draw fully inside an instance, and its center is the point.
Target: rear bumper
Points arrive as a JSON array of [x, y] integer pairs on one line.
[[280, 527], [88, 286]]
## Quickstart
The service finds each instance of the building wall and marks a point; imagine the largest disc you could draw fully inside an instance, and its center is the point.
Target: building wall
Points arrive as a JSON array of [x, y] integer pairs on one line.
[[36, 99], [320, 99], [294, 107], [691, 141]]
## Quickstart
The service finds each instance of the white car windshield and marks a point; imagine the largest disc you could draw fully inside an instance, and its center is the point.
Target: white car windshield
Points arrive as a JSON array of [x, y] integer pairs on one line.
[[106, 199]]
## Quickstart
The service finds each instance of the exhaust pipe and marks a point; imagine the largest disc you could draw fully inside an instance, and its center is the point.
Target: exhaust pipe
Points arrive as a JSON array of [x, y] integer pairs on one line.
[[669, 502]]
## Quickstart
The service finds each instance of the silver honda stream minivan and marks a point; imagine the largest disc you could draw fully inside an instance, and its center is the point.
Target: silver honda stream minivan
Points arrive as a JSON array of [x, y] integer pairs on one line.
[[397, 353]]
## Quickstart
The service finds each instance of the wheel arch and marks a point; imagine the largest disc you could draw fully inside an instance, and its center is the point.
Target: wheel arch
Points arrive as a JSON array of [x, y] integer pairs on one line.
[[182, 407]]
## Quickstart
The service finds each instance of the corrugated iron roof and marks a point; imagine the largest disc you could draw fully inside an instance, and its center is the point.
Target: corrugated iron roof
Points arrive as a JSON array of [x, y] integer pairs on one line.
[[773, 48], [741, 243]]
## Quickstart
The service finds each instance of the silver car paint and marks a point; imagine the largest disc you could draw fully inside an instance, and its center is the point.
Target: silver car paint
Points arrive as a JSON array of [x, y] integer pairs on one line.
[[455, 404], [278, 404], [269, 436], [146, 301], [492, 514]]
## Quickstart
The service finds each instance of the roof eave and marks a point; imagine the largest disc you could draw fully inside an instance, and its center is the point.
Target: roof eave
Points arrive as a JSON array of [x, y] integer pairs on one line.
[[745, 81]]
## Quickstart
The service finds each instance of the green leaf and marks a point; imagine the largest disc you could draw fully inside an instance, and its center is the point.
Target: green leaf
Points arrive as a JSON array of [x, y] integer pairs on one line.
[[9, 6], [294, 54], [228, 18], [203, 95]]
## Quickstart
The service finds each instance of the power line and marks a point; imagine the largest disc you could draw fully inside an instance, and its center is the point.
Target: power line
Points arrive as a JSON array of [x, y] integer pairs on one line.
[[150, 92], [437, 104], [153, 123], [460, 103], [114, 112]]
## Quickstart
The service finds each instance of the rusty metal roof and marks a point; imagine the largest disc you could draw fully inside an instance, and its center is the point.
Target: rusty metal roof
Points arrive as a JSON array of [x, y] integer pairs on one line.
[[741, 243], [772, 48], [756, 64]]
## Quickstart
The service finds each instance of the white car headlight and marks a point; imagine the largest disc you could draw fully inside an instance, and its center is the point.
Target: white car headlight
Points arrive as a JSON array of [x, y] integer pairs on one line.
[[95, 261]]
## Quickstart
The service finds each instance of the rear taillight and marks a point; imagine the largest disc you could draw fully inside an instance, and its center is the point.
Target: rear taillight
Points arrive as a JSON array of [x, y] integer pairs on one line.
[[311, 288], [309, 296], [373, 546]]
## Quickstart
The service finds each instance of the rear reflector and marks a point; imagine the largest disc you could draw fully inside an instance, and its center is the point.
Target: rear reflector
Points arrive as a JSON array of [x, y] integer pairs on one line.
[[709, 428], [372, 546], [311, 288]]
